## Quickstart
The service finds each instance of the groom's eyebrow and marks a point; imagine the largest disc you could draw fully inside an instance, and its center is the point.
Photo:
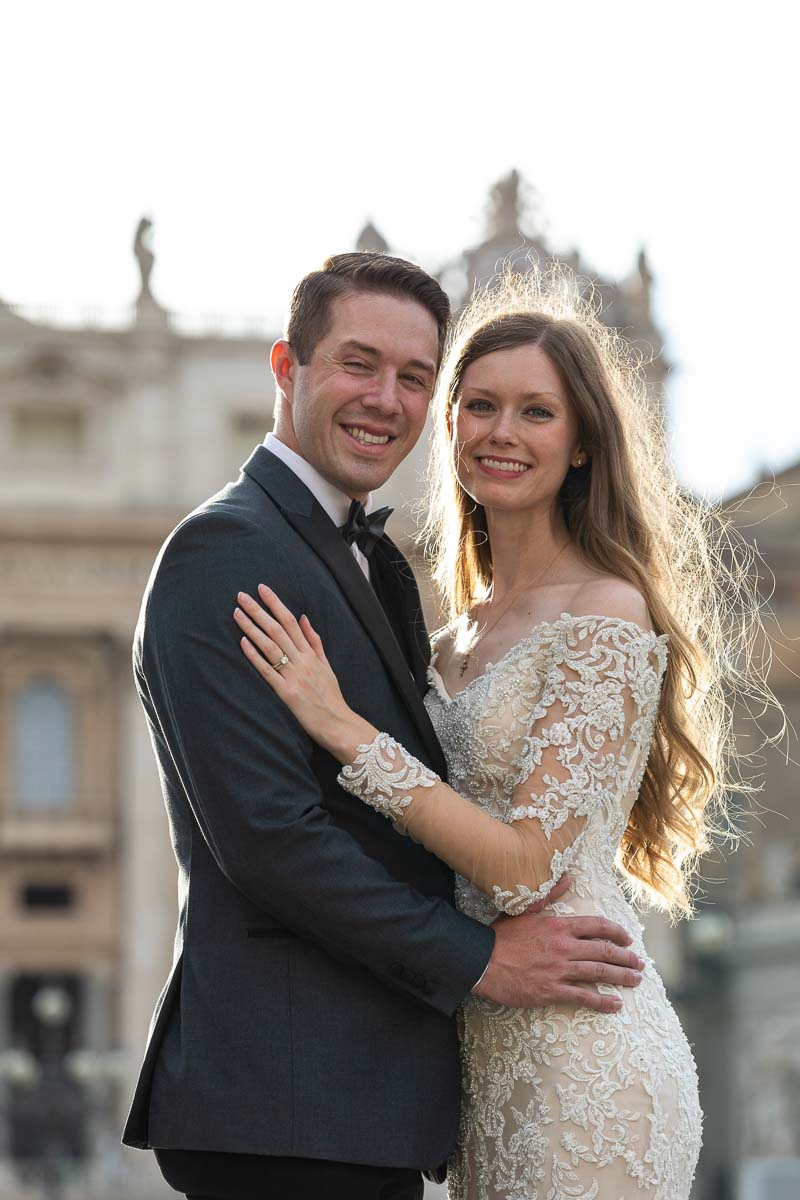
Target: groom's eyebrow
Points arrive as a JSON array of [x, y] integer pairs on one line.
[[422, 364], [361, 347]]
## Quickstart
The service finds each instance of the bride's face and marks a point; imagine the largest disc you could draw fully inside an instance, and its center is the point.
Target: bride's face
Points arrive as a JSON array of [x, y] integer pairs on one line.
[[515, 431]]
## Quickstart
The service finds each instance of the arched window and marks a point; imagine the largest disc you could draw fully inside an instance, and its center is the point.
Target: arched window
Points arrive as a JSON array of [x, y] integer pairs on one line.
[[44, 747]]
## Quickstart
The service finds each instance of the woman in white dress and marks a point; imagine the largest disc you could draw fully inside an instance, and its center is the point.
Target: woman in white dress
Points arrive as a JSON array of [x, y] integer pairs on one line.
[[581, 714]]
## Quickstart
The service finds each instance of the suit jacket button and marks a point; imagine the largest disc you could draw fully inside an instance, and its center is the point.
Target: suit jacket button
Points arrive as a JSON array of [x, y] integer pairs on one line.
[[397, 970], [428, 988]]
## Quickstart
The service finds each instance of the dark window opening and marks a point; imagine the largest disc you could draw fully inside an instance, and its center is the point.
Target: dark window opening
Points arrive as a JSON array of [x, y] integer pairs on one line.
[[37, 897]]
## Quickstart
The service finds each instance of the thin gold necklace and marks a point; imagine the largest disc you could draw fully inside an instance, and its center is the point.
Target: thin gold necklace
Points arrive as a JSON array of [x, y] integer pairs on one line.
[[526, 586]]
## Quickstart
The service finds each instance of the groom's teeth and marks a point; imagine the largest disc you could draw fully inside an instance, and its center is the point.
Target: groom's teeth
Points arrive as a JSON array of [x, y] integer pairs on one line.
[[370, 439], [495, 465]]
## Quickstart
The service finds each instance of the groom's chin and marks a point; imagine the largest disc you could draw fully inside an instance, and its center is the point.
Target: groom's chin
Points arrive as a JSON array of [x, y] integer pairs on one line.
[[369, 476]]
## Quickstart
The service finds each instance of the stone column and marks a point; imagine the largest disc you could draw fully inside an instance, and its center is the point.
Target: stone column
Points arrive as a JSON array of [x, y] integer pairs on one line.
[[97, 1031]]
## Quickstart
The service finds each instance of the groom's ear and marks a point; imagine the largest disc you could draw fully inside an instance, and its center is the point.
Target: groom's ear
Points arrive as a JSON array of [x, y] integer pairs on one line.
[[284, 363]]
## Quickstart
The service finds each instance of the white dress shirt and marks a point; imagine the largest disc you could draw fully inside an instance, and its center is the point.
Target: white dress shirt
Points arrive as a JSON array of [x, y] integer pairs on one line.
[[335, 503]]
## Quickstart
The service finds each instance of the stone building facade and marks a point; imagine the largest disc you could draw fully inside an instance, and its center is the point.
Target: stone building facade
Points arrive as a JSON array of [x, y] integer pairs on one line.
[[108, 436], [740, 985]]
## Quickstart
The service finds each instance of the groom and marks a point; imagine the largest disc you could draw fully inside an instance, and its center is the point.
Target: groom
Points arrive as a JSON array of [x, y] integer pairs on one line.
[[304, 1044]]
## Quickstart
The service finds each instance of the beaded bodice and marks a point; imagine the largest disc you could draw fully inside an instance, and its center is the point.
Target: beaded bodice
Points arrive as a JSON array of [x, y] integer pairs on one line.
[[570, 709]]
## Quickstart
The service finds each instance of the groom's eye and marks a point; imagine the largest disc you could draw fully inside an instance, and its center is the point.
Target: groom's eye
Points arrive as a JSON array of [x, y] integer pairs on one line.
[[352, 362]]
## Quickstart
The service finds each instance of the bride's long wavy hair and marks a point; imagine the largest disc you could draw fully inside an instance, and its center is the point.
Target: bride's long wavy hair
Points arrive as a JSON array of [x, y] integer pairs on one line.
[[628, 517]]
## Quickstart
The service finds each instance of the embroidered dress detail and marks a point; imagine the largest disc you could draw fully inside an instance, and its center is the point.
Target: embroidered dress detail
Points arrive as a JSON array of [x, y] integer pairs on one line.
[[561, 1103], [383, 773]]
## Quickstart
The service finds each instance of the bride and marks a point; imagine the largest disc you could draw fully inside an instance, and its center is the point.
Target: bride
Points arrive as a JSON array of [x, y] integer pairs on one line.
[[576, 694]]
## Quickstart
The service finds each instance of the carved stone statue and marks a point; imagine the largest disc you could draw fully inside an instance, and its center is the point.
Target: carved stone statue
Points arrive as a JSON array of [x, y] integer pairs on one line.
[[646, 277], [509, 203], [143, 252], [149, 313]]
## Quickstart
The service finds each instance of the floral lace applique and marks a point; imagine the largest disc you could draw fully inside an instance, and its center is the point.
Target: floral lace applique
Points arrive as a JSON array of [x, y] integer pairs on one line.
[[383, 773], [565, 1103]]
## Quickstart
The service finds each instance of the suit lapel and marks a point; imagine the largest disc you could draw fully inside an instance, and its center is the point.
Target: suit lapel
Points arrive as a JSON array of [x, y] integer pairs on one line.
[[315, 527]]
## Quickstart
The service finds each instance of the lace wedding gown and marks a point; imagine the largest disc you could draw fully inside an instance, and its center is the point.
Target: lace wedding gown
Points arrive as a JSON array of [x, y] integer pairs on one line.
[[549, 745]]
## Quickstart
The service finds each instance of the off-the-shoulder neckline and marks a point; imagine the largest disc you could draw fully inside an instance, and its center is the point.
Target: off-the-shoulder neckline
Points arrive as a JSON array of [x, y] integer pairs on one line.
[[438, 682]]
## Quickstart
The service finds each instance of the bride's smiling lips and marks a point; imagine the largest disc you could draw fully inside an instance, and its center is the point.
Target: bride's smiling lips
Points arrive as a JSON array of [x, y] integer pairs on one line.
[[498, 467]]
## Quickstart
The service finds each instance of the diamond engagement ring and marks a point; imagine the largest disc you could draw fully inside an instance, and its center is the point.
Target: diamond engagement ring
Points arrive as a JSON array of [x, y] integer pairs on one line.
[[282, 662]]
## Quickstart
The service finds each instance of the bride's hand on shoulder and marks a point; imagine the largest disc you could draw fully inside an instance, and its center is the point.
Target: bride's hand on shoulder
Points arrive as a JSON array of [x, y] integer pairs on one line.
[[288, 655]]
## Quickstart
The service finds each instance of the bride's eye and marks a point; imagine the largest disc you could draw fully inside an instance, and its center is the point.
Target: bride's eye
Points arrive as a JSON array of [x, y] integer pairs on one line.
[[475, 405], [538, 411]]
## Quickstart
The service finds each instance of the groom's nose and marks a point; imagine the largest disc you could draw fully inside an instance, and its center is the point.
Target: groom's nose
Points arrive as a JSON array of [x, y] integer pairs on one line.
[[383, 395]]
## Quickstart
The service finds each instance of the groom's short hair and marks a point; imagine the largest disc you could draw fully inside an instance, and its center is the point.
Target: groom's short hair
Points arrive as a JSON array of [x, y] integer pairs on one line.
[[359, 271]]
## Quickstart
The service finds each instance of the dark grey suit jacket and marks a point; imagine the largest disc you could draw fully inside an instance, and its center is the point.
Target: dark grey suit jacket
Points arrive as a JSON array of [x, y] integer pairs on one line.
[[319, 959]]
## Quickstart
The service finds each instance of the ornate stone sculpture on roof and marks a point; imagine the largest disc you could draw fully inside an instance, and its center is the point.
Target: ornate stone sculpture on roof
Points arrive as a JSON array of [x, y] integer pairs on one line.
[[144, 255], [148, 309], [516, 238], [505, 206]]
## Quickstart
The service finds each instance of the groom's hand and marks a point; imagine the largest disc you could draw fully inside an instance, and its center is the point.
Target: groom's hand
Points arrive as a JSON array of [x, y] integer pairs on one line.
[[540, 958]]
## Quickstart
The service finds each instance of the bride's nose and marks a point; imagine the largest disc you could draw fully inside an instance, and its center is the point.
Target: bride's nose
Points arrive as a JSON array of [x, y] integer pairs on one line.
[[504, 430]]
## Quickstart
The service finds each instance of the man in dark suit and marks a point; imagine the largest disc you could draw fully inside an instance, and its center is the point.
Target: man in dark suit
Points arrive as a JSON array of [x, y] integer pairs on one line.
[[304, 1044]]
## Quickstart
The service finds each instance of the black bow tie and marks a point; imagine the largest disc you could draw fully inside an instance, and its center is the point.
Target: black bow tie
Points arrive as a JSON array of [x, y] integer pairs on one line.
[[363, 528]]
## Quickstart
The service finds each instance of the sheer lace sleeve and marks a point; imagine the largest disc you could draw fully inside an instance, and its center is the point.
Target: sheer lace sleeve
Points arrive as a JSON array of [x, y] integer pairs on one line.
[[590, 730]]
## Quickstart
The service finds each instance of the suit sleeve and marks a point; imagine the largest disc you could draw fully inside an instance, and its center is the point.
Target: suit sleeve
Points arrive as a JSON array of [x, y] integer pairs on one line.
[[245, 766]]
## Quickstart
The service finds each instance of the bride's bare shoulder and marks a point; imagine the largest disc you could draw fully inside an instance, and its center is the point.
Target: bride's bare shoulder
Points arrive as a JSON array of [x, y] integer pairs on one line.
[[606, 596]]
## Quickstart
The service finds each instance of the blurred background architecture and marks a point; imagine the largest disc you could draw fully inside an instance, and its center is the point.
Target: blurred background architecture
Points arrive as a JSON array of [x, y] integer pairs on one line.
[[110, 431]]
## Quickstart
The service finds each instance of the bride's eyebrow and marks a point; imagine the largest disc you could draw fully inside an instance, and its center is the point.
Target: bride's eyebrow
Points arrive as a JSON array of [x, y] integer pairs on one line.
[[525, 398], [550, 397]]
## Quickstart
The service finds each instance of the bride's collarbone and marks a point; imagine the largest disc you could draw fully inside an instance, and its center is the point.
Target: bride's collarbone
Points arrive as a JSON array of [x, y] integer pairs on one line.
[[481, 653]]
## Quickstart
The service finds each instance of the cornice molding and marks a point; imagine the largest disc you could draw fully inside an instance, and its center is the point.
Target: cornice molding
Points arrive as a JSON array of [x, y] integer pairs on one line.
[[87, 526]]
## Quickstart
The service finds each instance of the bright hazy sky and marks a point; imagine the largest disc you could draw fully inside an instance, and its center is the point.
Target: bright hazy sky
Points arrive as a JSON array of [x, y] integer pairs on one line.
[[260, 137]]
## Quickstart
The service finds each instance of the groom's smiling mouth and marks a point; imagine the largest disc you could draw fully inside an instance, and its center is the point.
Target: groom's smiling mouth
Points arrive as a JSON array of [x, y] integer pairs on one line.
[[372, 440]]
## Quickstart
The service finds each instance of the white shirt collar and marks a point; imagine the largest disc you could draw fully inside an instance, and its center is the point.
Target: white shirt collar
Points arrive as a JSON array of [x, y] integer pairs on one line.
[[335, 503]]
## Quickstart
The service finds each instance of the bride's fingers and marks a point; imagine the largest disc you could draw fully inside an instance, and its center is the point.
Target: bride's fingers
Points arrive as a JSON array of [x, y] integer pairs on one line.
[[282, 614], [265, 622], [267, 673], [269, 647], [313, 638]]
